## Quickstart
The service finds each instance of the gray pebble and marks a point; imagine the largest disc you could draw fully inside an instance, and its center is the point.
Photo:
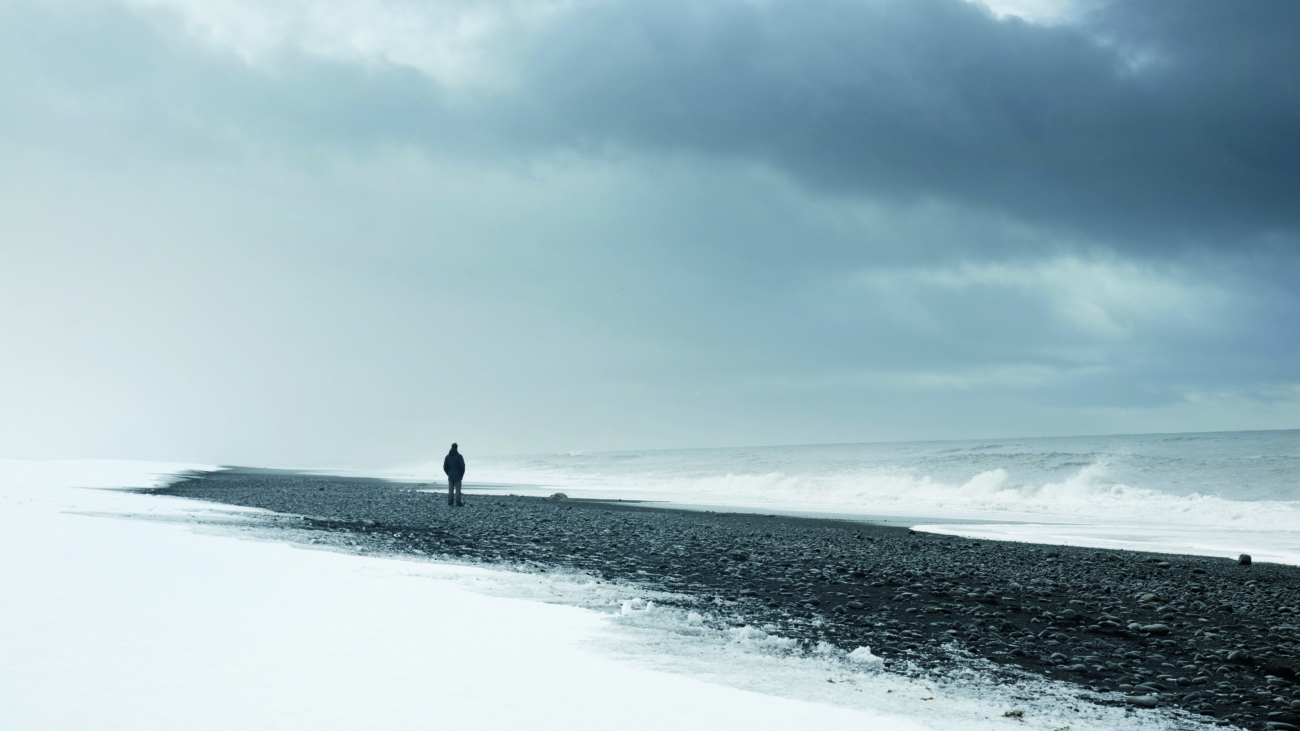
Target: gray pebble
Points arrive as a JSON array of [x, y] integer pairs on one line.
[[1141, 701]]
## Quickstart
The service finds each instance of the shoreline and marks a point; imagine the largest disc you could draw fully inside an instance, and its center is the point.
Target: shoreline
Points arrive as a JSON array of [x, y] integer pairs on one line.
[[1201, 634], [768, 511], [1043, 529]]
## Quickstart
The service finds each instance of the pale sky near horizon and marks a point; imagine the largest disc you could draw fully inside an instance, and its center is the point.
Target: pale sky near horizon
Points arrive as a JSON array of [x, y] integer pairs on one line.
[[278, 231]]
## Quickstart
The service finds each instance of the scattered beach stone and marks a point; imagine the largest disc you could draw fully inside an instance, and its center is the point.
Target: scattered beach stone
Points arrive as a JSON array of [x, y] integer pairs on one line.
[[1243, 559], [1142, 701], [559, 496]]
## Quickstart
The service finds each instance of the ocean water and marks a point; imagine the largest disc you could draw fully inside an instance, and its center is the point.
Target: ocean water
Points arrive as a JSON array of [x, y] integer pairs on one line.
[[1210, 493], [1248, 480]]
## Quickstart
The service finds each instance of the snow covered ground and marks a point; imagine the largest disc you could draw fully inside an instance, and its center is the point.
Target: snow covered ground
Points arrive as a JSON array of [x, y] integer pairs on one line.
[[134, 612]]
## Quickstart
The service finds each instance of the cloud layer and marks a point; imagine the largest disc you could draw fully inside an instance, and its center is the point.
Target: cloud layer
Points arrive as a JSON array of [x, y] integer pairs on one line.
[[342, 230], [1147, 124]]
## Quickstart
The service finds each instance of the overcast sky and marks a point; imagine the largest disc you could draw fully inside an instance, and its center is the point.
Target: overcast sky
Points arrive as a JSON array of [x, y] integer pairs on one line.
[[292, 232]]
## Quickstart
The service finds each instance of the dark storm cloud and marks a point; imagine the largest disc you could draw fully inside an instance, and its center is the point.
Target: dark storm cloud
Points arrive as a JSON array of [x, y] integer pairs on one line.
[[1138, 125], [1143, 123]]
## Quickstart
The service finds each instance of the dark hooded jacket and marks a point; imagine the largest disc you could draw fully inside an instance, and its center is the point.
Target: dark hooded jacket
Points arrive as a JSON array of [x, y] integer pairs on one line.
[[454, 465]]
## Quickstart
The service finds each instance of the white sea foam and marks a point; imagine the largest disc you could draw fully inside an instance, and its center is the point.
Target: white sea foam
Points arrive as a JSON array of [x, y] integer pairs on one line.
[[1085, 494]]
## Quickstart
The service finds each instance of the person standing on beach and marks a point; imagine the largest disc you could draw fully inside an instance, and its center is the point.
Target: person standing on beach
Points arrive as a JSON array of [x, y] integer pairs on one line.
[[454, 465]]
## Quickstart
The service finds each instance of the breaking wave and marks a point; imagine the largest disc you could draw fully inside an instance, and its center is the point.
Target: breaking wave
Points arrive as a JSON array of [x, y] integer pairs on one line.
[[1085, 494], [1240, 481]]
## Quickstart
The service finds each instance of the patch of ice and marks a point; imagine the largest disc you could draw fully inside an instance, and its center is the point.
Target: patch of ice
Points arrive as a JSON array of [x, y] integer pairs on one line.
[[862, 656], [637, 605]]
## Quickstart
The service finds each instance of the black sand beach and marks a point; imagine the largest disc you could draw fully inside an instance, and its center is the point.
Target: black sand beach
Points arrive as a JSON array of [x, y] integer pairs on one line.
[[1207, 635]]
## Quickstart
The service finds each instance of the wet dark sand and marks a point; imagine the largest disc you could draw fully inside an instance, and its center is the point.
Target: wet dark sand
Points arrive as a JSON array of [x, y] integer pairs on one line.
[[1202, 634]]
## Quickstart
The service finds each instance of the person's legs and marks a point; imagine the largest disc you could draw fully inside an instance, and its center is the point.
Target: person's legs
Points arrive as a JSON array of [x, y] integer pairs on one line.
[[459, 503], [451, 491]]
